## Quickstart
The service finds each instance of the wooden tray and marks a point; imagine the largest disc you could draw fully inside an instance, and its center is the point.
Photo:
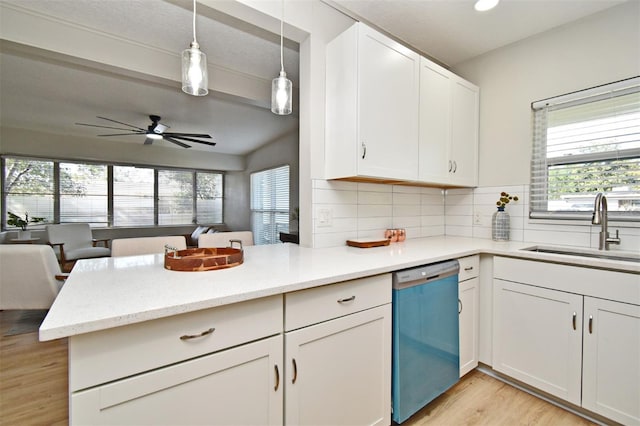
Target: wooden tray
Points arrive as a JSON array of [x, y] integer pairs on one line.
[[367, 243], [203, 259]]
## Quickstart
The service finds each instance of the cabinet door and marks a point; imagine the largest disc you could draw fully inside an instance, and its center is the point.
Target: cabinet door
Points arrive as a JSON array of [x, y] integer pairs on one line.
[[468, 293], [464, 133], [537, 337], [339, 372], [240, 386], [435, 122], [388, 76], [611, 376]]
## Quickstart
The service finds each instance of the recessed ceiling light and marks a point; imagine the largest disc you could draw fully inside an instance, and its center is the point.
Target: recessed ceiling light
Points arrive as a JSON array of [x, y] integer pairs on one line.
[[484, 5]]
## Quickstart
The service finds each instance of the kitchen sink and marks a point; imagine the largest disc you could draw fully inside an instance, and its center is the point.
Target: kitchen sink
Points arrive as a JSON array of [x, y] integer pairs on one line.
[[621, 256]]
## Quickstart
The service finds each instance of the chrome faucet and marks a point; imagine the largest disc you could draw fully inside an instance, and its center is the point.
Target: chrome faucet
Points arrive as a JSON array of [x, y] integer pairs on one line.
[[600, 217]]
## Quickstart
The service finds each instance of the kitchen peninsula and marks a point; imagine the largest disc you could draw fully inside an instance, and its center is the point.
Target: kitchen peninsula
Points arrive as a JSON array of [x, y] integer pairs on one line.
[[138, 332]]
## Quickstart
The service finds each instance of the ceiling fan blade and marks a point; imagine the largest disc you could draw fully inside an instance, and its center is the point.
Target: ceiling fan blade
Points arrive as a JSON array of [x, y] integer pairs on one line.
[[121, 134], [193, 135], [120, 122], [192, 140], [103, 127], [184, 145]]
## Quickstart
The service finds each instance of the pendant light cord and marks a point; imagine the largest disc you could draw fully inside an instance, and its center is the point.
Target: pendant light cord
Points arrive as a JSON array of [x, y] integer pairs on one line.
[[281, 39], [194, 21]]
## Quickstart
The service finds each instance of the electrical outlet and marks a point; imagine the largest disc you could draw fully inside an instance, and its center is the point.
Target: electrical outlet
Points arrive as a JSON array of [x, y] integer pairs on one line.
[[325, 218], [477, 219]]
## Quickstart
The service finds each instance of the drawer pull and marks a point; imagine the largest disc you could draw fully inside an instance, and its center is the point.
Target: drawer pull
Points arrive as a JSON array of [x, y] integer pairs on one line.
[[195, 336], [275, 388], [574, 320], [469, 268], [348, 299], [295, 370]]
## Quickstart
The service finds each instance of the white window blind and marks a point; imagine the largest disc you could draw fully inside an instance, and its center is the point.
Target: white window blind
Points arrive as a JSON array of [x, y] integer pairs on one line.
[[175, 197], [584, 143], [29, 188], [270, 204], [83, 193], [133, 193]]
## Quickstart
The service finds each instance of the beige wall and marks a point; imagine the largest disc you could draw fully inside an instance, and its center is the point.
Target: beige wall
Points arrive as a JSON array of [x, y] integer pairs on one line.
[[598, 49], [39, 144]]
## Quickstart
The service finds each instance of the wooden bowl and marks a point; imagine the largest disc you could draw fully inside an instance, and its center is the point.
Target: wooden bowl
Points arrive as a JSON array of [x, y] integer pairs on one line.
[[203, 259]]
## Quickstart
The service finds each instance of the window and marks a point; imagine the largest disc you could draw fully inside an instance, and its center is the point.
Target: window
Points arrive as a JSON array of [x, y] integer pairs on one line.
[[109, 195], [29, 187], [269, 204], [584, 143], [83, 193], [133, 191]]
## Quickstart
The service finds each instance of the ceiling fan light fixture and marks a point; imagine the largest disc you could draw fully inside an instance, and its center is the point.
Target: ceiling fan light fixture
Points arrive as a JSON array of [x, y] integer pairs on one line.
[[195, 80], [155, 136], [281, 86], [484, 5]]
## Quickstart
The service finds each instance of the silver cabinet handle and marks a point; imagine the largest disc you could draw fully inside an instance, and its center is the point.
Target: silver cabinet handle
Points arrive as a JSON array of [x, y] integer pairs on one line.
[[195, 336], [590, 324], [348, 299], [364, 150], [295, 370], [575, 316], [455, 166], [450, 166], [275, 388], [469, 268], [459, 306]]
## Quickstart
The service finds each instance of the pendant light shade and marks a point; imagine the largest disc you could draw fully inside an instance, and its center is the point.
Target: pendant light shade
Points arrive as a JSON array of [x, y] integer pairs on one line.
[[281, 87], [195, 80], [281, 94]]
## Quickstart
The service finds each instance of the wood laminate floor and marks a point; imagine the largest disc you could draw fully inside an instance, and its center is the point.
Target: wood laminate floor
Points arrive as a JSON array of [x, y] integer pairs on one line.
[[33, 391]]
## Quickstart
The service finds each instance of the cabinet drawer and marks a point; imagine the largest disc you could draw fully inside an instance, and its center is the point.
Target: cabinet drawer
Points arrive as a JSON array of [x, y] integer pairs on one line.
[[319, 304], [469, 267], [111, 354]]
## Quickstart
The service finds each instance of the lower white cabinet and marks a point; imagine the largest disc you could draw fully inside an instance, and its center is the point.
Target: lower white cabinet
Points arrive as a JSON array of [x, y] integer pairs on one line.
[[469, 310], [338, 371], [572, 332], [239, 386], [537, 337], [611, 360]]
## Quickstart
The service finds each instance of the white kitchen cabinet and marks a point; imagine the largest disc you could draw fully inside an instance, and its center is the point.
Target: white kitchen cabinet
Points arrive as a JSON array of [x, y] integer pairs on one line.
[[611, 360], [372, 94], [239, 386], [448, 127], [338, 354], [570, 331], [537, 337], [469, 307], [202, 367]]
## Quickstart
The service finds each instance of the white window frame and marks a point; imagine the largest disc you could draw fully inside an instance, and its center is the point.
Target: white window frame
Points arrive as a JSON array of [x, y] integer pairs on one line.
[[541, 161]]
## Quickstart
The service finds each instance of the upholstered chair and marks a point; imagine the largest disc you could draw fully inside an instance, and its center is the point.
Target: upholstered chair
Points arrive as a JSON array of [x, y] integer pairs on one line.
[[74, 241], [146, 245], [221, 239]]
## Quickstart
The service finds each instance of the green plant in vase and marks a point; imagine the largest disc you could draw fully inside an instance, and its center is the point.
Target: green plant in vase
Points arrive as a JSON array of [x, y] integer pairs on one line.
[[17, 221]]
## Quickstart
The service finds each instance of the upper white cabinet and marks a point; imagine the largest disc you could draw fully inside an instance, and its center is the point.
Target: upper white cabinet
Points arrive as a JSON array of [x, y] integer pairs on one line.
[[392, 115], [371, 107], [448, 147]]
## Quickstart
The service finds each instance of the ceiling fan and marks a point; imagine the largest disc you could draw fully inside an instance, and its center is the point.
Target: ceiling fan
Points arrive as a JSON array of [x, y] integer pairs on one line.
[[155, 131]]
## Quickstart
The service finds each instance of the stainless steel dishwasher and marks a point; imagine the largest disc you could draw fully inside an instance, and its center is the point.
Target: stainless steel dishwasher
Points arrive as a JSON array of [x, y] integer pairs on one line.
[[426, 358]]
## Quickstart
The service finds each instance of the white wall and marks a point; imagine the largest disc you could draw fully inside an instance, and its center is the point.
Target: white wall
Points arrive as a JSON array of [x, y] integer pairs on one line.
[[598, 49], [238, 184]]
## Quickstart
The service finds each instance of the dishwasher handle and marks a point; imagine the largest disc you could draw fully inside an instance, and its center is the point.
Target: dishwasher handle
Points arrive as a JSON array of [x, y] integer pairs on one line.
[[425, 274]]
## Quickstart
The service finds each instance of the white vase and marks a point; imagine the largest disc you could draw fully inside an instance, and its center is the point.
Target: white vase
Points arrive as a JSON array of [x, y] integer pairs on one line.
[[24, 235], [500, 225]]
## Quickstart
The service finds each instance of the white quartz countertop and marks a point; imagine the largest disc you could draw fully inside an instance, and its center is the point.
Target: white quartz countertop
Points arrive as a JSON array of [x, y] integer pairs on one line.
[[111, 292]]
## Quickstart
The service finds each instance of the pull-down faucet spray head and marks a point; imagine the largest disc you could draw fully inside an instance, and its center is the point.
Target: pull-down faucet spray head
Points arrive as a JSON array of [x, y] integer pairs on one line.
[[596, 217]]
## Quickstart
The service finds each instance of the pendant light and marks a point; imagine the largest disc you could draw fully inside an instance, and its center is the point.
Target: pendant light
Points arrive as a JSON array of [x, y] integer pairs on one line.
[[281, 87], [194, 66]]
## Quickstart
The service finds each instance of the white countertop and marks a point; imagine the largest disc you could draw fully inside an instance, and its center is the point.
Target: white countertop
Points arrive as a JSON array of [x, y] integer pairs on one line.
[[110, 292]]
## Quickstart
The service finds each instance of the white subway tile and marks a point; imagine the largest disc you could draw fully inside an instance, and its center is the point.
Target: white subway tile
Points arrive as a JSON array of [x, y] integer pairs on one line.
[[374, 210], [366, 197]]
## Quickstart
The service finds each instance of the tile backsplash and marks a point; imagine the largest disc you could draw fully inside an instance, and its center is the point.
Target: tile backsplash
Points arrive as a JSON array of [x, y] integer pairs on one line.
[[350, 210]]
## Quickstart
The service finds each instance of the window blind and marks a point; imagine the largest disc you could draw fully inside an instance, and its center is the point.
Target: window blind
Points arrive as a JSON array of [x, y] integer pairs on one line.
[[585, 143], [270, 204]]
